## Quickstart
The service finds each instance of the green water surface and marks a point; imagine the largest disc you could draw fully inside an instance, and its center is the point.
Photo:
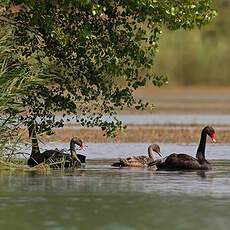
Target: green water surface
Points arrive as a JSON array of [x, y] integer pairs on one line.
[[102, 197]]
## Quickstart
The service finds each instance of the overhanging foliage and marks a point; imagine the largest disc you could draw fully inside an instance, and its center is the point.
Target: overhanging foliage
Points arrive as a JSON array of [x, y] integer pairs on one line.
[[91, 55]]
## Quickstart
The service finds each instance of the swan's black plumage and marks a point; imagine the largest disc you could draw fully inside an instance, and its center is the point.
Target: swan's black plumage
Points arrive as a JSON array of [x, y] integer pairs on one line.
[[184, 161], [55, 157]]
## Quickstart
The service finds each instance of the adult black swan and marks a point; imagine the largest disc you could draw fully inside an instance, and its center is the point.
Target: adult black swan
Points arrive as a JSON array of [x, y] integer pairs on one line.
[[184, 161], [140, 161], [55, 157]]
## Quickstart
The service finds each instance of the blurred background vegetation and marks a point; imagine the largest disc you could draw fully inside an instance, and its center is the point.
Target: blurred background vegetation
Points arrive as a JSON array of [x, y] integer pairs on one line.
[[198, 57]]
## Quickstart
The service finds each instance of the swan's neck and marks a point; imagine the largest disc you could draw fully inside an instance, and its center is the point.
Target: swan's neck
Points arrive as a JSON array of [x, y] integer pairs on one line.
[[151, 153], [73, 151], [200, 154], [35, 147]]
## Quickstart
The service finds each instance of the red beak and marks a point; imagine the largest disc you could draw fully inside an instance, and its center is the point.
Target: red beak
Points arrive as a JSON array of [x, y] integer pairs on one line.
[[82, 146], [160, 154], [213, 138]]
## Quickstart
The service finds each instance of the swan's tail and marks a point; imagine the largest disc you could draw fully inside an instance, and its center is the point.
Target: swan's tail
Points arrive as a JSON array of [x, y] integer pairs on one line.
[[119, 164], [116, 164]]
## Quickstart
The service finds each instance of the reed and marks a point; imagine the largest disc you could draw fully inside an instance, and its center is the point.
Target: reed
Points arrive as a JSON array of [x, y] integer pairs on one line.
[[19, 164]]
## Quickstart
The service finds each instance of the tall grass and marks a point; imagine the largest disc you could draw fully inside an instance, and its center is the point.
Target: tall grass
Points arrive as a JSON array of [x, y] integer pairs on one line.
[[15, 77]]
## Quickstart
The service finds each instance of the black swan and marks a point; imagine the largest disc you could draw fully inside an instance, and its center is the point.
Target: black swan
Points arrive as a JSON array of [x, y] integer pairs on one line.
[[184, 161], [140, 161], [55, 157]]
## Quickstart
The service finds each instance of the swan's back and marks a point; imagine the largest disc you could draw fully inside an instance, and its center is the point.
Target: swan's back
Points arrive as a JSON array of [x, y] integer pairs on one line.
[[139, 161], [182, 161]]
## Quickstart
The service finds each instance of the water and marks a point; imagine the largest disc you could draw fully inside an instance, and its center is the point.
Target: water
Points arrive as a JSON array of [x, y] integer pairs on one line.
[[102, 197], [106, 151], [142, 119]]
